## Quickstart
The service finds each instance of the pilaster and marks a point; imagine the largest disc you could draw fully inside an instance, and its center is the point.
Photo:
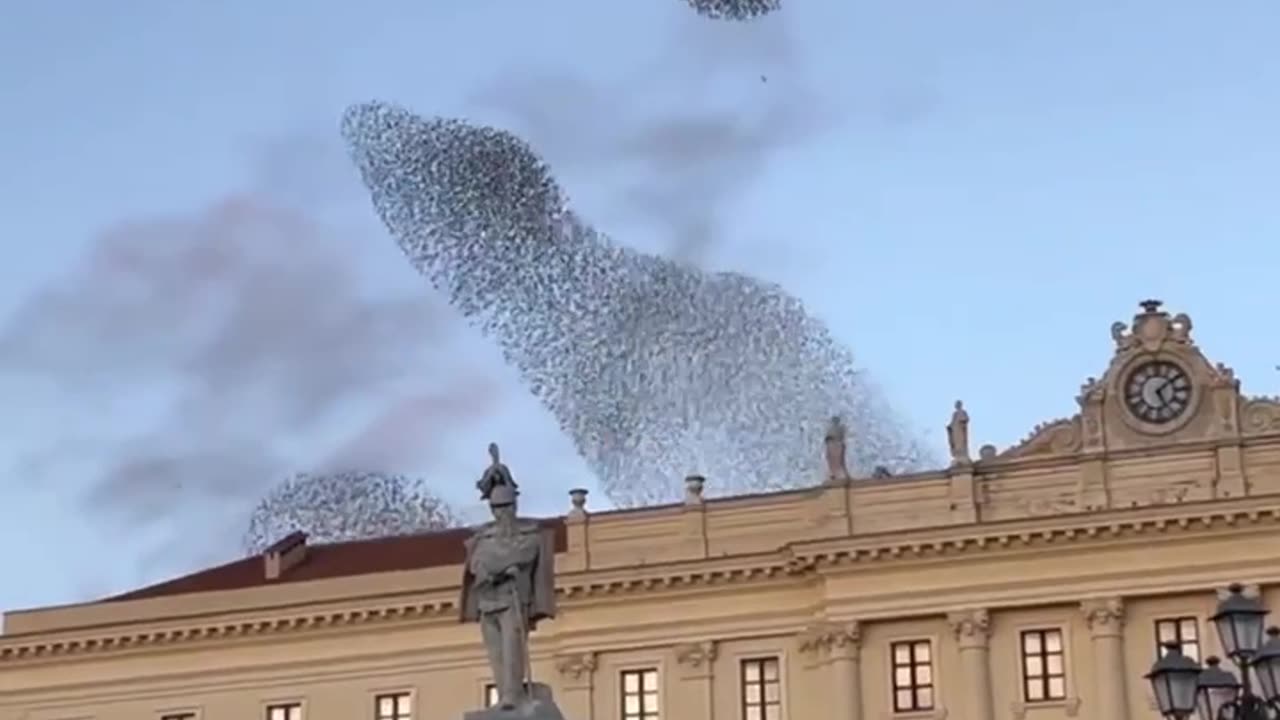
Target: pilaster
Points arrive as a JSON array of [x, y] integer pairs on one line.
[[963, 493], [972, 629], [695, 665], [1105, 617], [837, 647], [577, 555], [695, 516], [577, 683]]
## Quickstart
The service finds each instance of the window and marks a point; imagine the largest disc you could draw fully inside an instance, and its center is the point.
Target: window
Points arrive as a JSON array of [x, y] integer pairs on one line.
[[639, 694], [179, 716], [761, 689], [1044, 675], [283, 711], [1182, 630], [393, 706], [490, 695], [912, 675]]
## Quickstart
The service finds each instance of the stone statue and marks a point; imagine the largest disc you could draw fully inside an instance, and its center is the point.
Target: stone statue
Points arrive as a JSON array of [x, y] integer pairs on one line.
[[837, 470], [496, 474], [508, 585], [958, 435]]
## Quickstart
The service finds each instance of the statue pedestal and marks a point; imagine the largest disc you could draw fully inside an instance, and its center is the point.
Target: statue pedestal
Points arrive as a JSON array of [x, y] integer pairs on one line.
[[539, 706]]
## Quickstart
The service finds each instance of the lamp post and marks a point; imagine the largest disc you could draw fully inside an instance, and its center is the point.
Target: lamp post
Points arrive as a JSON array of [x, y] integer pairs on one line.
[[1183, 688]]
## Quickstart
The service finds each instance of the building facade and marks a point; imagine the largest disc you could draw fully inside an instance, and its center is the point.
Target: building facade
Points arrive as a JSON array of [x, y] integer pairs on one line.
[[1032, 583]]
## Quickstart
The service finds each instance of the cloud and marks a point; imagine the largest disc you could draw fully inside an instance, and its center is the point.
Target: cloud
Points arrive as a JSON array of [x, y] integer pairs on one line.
[[201, 357], [680, 139]]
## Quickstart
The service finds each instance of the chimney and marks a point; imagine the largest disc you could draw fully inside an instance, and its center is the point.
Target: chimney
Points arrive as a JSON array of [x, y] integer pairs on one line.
[[284, 554]]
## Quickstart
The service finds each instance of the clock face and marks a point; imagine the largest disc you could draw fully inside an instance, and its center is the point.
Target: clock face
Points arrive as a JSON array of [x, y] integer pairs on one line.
[[1157, 392]]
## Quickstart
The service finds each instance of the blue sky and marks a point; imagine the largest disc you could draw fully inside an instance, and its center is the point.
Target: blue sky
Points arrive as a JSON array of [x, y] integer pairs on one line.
[[982, 189]]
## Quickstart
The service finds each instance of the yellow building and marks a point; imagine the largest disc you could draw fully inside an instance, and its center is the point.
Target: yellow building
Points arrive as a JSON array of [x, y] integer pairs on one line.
[[1032, 582]]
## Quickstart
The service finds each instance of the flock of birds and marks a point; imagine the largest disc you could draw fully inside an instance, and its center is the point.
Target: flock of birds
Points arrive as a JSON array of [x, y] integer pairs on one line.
[[654, 368]]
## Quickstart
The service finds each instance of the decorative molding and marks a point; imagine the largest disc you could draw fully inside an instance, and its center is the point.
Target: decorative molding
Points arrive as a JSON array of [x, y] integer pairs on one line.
[[696, 655], [1070, 707], [793, 563], [576, 666], [1104, 616], [972, 627]]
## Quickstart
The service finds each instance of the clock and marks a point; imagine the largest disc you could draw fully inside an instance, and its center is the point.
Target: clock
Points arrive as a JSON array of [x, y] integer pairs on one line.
[[1157, 392]]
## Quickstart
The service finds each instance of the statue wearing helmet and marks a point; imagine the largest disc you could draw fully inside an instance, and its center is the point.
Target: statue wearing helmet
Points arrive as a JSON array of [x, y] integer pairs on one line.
[[508, 585]]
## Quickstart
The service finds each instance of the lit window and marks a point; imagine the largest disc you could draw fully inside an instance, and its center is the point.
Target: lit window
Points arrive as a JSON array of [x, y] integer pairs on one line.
[[639, 694], [761, 689], [1044, 675], [912, 675], [284, 711], [393, 706], [490, 695], [1184, 631]]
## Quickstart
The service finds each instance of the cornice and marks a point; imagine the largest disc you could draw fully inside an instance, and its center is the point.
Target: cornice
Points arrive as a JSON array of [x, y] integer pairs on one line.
[[797, 562], [819, 555], [125, 639], [395, 662]]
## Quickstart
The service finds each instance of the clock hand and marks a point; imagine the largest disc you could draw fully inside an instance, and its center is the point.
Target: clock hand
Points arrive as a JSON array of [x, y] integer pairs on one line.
[[1149, 390]]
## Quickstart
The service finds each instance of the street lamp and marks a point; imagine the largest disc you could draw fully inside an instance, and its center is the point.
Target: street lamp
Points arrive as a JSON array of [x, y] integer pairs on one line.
[[1182, 687], [1174, 681]]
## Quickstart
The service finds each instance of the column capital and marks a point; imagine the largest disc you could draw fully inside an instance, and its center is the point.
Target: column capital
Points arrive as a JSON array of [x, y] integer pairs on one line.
[[576, 669], [823, 641], [972, 627], [1104, 615], [695, 659], [1250, 590]]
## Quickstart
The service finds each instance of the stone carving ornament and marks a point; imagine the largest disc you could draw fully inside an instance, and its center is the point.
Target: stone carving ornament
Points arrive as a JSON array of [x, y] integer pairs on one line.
[[971, 627], [697, 655], [1104, 616], [823, 640]]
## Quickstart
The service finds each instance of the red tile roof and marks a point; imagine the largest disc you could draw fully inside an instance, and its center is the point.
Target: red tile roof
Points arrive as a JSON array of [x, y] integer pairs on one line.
[[331, 560]]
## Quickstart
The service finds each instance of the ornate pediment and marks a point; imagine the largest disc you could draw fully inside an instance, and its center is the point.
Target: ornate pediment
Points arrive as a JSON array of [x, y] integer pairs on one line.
[[1057, 437], [1159, 389], [1260, 416]]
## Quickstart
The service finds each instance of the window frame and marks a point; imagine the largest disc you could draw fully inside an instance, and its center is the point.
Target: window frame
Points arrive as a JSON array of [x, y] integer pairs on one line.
[[1045, 677], [915, 685], [376, 697], [745, 704], [640, 671], [489, 694], [284, 704], [1177, 621]]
